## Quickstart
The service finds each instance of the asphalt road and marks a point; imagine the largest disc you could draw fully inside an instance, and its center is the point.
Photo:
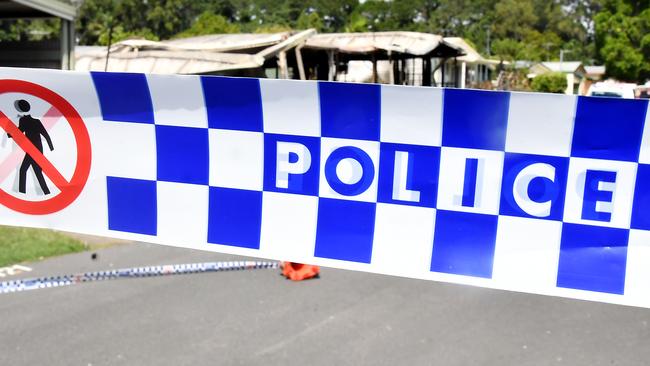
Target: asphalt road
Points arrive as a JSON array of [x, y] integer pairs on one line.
[[343, 318]]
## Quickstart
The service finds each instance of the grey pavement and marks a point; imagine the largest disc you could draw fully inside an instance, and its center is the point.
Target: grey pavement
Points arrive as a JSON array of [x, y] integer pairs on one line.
[[343, 318]]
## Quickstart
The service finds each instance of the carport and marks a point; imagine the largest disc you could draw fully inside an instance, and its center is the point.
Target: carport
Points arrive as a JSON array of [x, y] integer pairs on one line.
[[57, 53]]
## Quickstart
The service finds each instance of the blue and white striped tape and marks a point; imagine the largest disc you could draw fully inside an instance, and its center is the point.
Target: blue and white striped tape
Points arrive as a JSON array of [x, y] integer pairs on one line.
[[529, 192], [137, 272]]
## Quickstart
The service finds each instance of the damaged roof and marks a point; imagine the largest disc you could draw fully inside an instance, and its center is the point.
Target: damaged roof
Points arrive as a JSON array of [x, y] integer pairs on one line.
[[411, 43], [195, 55]]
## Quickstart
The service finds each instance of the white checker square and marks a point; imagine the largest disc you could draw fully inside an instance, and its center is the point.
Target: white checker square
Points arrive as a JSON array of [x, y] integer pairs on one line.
[[348, 170], [411, 115], [540, 124], [125, 150], [300, 98], [452, 177], [182, 213], [637, 269], [236, 159], [623, 191], [288, 226], [527, 253], [178, 100], [644, 154], [403, 240]]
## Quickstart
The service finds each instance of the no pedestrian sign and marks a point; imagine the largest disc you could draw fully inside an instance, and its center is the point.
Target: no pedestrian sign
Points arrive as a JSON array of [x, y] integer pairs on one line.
[[28, 136]]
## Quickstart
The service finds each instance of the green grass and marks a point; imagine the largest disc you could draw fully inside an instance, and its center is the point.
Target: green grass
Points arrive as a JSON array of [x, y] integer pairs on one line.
[[22, 245]]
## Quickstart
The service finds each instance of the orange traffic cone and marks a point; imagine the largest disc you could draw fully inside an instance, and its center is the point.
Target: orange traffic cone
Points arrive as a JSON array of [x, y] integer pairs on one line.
[[298, 271]]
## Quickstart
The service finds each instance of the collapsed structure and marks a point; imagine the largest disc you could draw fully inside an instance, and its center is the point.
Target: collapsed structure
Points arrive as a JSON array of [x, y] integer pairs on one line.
[[409, 58]]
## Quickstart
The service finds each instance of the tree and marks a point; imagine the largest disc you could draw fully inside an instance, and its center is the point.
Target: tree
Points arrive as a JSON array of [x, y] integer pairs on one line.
[[550, 82], [516, 19], [623, 40], [311, 20], [534, 30], [209, 23], [160, 18], [29, 30]]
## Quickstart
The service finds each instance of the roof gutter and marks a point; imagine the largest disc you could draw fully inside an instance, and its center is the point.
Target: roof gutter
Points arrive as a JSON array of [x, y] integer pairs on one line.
[[52, 7]]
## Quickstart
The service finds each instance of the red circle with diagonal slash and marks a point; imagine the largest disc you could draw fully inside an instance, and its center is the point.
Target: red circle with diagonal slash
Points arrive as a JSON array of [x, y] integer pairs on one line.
[[69, 190]]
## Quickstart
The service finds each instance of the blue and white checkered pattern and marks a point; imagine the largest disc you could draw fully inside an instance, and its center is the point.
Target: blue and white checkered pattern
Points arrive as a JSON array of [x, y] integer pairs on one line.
[[206, 173]]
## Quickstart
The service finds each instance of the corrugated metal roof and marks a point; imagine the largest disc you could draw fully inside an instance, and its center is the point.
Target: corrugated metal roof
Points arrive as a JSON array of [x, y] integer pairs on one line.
[[213, 42], [228, 42], [32, 8], [595, 70], [566, 66], [190, 55], [164, 62], [471, 55], [413, 43]]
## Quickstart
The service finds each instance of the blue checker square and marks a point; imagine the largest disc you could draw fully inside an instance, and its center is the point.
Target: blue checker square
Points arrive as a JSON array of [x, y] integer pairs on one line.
[[348, 188], [182, 154], [593, 258], [408, 174], [464, 243], [291, 164], [538, 181], [345, 230], [132, 205], [641, 205], [350, 111], [608, 128], [235, 217], [123, 97], [233, 103], [475, 119]]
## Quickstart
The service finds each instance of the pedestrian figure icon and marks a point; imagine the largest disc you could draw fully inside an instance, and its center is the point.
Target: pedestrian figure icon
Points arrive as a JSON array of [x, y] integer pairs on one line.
[[33, 130]]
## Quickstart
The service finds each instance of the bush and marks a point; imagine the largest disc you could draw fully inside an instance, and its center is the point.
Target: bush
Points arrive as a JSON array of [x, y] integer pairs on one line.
[[550, 82], [209, 23]]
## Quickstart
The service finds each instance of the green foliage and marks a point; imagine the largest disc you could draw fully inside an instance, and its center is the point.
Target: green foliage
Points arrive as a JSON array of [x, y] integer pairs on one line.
[[272, 28], [550, 82], [209, 23], [29, 30], [20, 245], [613, 31], [158, 18], [622, 39], [119, 34], [357, 23], [516, 19], [311, 20]]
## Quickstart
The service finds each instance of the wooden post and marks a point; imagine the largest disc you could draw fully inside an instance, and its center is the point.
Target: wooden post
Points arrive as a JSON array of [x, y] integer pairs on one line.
[[426, 73], [374, 68], [332, 66], [282, 65], [396, 72], [67, 45], [456, 73], [442, 72], [301, 66], [463, 75]]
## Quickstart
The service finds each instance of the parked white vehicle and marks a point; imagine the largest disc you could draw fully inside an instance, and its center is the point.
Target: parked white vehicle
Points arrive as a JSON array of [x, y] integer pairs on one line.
[[612, 89]]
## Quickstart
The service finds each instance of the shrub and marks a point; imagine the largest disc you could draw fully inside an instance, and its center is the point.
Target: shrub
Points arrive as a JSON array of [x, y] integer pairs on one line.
[[550, 82]]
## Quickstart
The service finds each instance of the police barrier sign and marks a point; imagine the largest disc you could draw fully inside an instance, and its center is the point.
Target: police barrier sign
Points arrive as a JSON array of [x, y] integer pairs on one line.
[[538, 193]]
